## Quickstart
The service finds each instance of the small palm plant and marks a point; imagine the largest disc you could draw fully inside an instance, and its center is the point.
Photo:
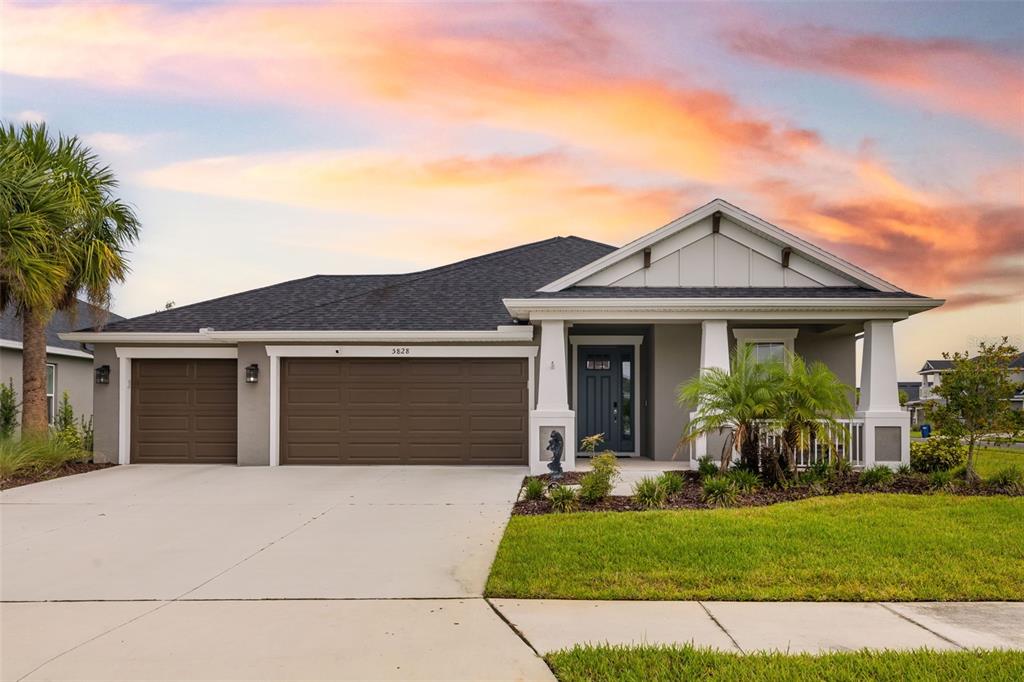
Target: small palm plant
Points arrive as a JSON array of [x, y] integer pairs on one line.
[[807, 409], [733, 401]]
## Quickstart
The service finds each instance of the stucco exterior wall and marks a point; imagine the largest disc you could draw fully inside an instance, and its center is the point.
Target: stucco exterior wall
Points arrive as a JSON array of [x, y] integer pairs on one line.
[[676, 351], [105, 407], [838, 351], [74, 375], [253, 407]]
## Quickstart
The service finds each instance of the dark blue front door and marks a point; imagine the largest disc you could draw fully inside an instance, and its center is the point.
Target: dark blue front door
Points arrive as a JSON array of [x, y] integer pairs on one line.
[[604, 395]]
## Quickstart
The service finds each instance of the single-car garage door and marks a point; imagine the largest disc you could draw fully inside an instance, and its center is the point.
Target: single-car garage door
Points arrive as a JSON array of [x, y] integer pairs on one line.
[[184, 411], [403, 411]]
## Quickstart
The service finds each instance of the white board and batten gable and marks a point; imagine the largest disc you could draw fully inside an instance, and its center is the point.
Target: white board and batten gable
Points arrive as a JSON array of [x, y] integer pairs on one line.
[[744, 251]]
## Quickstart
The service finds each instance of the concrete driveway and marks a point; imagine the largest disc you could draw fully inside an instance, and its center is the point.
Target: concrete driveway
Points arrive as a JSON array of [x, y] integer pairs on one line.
[[213, 572]]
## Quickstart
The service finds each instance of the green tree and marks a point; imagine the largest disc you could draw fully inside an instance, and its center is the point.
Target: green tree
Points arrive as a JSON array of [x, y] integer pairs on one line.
[[904, 397], [975, 395], [62, 233], [809, 405], [732, 401]]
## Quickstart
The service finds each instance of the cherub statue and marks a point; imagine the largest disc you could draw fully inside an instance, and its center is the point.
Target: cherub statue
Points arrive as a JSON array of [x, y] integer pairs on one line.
[[556, 444]]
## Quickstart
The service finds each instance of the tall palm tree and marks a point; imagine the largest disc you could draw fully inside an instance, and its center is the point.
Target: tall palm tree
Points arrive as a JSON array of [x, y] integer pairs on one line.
[[733, 401], [809, 406], [63, 233]]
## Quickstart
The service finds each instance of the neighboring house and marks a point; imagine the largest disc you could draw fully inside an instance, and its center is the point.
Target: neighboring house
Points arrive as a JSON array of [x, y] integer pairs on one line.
[[478, 362], [931, 378], [69, 364], [912, 391]]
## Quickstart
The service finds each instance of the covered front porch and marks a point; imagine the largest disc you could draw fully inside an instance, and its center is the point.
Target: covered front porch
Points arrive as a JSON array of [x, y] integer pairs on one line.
[[621, 378]]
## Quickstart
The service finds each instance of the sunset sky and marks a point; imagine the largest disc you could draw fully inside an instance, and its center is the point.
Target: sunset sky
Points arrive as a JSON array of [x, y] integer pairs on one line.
[[262, 142]]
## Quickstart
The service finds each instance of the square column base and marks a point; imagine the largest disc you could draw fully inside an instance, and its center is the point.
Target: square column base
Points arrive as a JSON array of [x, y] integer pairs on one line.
[[542, 423], [886, 438]]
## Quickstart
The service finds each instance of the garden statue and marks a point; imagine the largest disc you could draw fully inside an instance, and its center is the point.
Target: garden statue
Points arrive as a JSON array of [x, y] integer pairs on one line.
[[555, 446]]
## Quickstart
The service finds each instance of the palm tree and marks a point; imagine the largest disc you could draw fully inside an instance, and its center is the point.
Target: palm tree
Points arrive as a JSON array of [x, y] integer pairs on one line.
[[733, 401], [808, 407], [62, 233]]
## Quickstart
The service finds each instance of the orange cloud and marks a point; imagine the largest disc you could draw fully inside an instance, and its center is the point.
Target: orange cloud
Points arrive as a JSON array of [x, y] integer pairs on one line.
[[471, 203], [539, 69], [968, 78]]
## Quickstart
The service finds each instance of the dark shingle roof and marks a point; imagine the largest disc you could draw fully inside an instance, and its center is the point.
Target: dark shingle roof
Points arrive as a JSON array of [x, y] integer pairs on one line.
[[932, 365], [85, 313], [462, 296], [722, 292]]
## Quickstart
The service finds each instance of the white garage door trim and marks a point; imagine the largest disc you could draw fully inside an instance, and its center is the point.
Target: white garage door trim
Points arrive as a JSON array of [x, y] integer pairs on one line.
[[396, 351], [125, 355]]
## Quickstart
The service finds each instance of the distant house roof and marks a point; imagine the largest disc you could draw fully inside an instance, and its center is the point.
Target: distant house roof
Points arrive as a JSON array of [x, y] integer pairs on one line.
[[62, 321], [943, 365], [936, 366], [912, 389]]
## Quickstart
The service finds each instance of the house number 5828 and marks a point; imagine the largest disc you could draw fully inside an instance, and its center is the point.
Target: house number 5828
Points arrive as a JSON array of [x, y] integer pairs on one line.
[[399, 351]]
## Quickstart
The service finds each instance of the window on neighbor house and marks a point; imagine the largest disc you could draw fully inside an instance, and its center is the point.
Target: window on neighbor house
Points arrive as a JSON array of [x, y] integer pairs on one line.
[[51, 392]]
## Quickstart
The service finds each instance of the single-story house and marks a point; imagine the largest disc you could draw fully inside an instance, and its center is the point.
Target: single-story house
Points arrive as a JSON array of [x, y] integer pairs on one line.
[[68, 363], [478, 362]]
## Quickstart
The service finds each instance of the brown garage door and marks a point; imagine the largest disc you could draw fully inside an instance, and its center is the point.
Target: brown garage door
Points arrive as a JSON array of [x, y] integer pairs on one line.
[[184, 411], [403, 411]]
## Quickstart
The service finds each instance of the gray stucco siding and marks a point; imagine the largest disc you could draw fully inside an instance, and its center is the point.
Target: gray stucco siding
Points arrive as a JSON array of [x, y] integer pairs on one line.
[[74, 375]]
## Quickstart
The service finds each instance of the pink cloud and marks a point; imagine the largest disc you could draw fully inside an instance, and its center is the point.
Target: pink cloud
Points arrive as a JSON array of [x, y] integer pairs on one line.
[[972, 79]]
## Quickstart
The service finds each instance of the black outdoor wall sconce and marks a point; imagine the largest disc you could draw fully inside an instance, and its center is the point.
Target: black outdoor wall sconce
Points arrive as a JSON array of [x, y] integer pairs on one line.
[[103, 374], [252, 374]]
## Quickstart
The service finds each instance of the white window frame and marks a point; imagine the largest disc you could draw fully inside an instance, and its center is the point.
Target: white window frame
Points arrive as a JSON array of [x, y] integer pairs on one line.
[[395, 350], [51, 398], [125, 355], [755, 336]]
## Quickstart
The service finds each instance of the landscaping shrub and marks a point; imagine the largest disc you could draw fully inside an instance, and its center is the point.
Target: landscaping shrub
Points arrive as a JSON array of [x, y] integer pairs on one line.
[[597, 484], [904, 470], [719, 491], [564, 499], [64, 425], [744, 480], [86, 429], [671, 482], [649, 493], [1010, 479], [33, 455], [941, 480], [8, 410], [876, 475], [938, 453], [534, 489], [706, 467]]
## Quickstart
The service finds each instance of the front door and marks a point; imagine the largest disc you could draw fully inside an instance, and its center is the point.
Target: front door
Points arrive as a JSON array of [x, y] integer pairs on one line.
[[605, 395]]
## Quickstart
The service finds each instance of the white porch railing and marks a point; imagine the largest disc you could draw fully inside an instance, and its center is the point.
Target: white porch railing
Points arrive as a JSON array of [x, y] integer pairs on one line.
[[846, 442]]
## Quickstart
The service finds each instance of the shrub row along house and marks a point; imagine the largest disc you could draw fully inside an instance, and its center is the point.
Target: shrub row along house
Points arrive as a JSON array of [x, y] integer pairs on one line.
[[479, 361]]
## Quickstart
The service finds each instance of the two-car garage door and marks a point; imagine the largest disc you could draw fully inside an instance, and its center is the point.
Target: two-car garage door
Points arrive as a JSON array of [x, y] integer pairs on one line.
[[403, 411], [337, 411]]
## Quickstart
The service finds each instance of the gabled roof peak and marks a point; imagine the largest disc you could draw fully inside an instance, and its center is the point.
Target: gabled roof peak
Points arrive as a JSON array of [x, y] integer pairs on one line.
[[743, 219]]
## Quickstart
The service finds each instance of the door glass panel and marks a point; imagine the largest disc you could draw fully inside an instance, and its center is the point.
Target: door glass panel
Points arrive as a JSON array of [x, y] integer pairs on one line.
[[599, 362], [627, 397]]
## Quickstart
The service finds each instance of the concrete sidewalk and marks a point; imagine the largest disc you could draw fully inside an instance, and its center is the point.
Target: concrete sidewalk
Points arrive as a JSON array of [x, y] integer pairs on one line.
[[814, 627]]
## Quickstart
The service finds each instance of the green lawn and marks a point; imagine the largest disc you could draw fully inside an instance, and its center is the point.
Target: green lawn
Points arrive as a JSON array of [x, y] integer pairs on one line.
[[991, 460], [848, 548], [656, 664]]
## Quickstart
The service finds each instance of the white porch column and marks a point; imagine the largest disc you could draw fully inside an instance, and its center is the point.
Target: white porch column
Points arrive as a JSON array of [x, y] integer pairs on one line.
[[714, 353], [886, 425], [552, 411]]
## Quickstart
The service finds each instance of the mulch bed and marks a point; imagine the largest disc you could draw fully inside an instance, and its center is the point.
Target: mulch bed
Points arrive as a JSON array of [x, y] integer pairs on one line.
[[690, 496], [69, 469]]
